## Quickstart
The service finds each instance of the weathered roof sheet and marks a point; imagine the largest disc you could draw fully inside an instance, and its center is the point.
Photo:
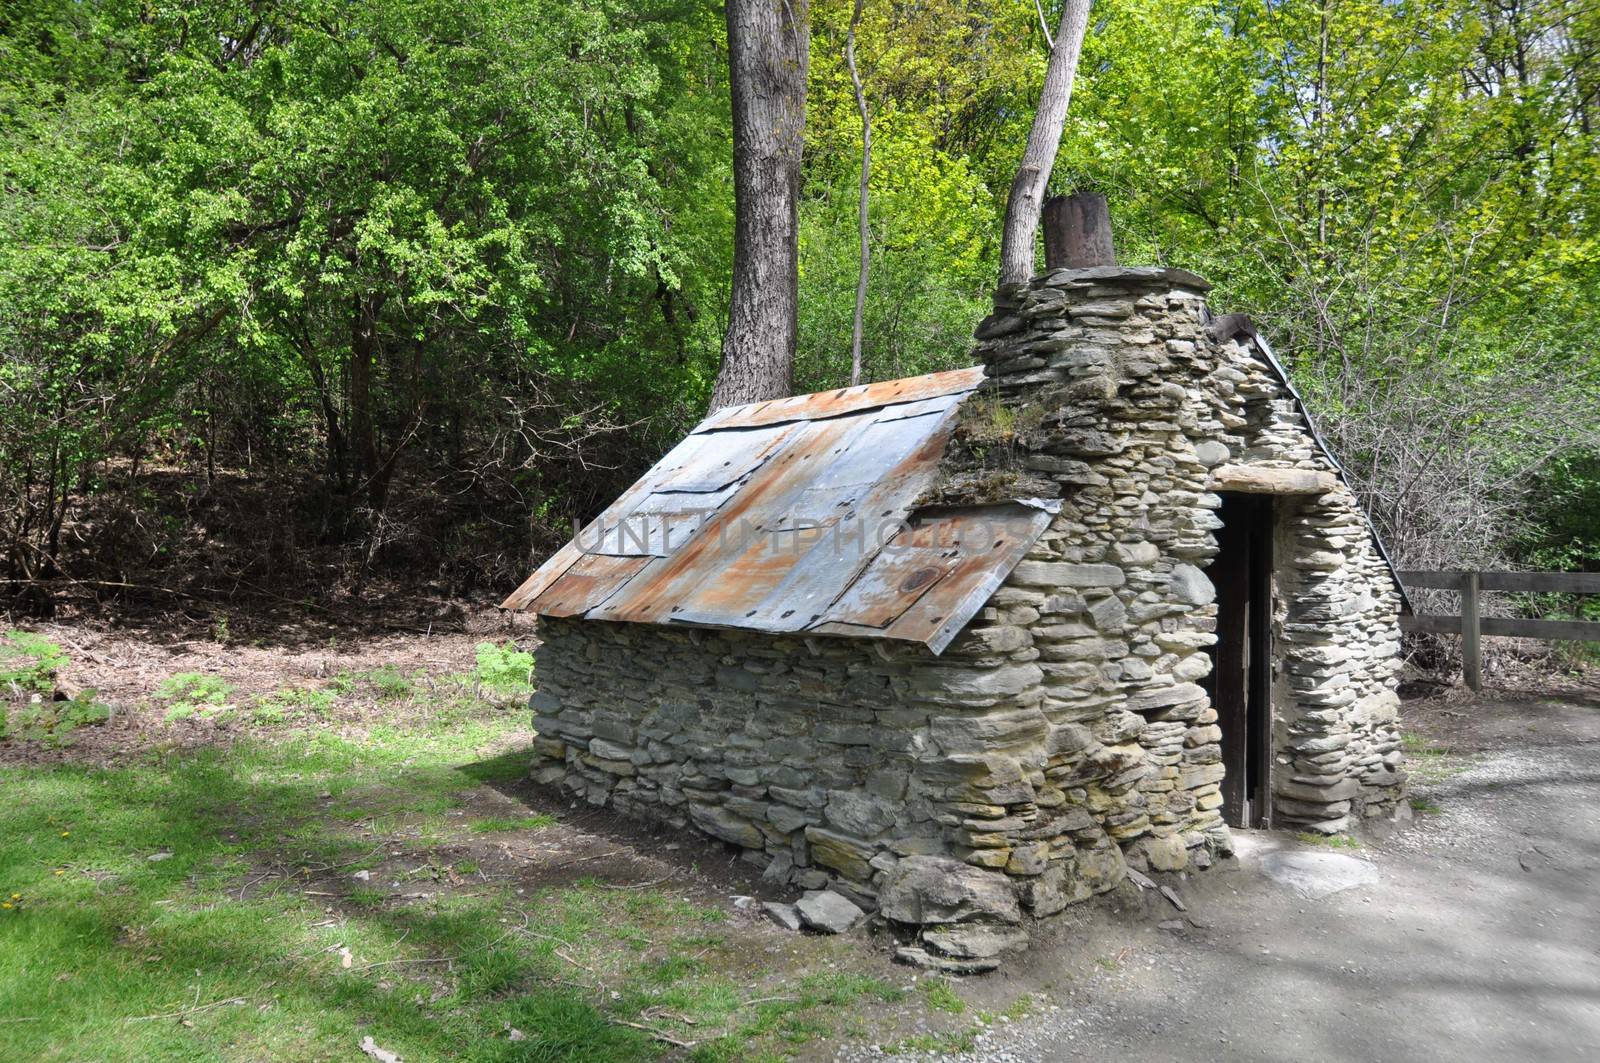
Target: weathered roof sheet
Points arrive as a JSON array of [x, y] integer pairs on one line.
[[798, 515]]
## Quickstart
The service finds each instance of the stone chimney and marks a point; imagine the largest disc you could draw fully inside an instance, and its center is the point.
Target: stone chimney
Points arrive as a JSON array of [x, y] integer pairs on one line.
[[1102, 395], [1100, 391]]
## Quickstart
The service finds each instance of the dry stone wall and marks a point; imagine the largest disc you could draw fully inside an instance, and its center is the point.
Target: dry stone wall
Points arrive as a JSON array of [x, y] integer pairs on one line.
[[1067, 731], [827, 761], [1119, 400], [1336, 735]]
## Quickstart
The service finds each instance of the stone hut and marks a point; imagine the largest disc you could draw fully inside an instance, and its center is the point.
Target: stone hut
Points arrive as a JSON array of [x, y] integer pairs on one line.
[[998, 632]]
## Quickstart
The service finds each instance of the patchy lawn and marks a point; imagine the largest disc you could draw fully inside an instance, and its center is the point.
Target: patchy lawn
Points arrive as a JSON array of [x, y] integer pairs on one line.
[[236, 864]]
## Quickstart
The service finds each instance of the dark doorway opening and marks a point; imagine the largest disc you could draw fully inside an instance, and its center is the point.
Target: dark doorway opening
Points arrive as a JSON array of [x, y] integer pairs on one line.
[[1241, 672]]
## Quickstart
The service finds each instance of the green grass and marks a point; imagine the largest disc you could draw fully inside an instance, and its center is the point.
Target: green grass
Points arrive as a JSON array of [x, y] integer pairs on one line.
[[1331, 841], [1416, 745], [1425, 806], [250, 938], [847, 989], [1430, 763], [940, 1043], [942, 996]]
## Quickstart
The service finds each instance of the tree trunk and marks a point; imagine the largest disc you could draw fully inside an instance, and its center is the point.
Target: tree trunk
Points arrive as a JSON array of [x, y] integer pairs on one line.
[[861, 203], [1044, 139], [768, 56], [363, 427], [1077, 232]]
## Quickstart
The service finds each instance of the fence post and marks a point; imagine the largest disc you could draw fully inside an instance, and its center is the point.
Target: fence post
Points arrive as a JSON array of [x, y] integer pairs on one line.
[[1471, 647]]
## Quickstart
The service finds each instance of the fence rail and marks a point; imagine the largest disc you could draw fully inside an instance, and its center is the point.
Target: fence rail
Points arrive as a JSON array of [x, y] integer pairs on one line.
[[1471, 626]]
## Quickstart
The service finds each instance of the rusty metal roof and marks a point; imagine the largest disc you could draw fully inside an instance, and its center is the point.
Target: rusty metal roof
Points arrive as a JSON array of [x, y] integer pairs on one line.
[[798, 515]]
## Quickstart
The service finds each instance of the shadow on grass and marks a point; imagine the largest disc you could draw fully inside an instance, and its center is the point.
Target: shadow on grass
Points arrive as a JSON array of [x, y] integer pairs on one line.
[[128, 936], [631, 839]]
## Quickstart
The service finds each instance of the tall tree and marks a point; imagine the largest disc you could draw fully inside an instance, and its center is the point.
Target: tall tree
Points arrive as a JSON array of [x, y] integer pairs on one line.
[[1044, 139], [861, 200], [769, 45]]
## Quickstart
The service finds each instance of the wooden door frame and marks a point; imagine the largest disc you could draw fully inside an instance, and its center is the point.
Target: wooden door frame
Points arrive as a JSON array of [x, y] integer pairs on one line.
[[1241, 678]]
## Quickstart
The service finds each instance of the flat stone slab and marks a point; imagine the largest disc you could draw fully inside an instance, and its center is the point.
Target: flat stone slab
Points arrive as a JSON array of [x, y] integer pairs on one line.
[[785, 915], [828, 912], [1315, 874], [975, 941], [926, 960]]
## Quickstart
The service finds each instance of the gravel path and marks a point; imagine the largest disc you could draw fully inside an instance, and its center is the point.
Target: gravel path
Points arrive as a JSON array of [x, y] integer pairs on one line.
[[1478, 937]]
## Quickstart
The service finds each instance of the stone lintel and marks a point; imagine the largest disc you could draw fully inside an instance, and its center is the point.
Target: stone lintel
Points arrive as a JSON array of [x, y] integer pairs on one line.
[[1256, 480]]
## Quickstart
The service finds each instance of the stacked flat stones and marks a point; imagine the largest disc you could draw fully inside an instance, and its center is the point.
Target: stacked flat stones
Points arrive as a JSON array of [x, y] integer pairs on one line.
[[1139, 403], [1336, 634], [1065, 732]]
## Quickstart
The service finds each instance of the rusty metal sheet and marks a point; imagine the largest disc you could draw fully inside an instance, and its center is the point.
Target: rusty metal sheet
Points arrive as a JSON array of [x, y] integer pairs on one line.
[[873, 517], [805, 522], [662, 522], [535, 585], [710, 461], [993, 539], [891, 585], [590, 580], [719, 577], [825, 404]]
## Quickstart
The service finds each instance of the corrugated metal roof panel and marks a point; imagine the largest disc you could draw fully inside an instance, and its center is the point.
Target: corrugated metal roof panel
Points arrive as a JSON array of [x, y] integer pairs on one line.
[[825, 404], [797, 515]]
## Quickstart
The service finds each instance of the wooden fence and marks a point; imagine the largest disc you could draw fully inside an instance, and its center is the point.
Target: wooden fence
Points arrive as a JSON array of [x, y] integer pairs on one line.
[[1472, 626]]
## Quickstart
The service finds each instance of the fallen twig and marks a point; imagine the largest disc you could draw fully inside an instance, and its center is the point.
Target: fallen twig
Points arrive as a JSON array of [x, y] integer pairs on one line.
[[657, 1034], [576, 964], [189, 1011], [641, 885], [392, 963], [585, 859]]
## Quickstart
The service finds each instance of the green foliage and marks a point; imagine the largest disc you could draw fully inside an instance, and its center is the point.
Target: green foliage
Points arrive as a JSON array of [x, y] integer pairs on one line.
[[379, 228], [29, 662], [504, 670], [51, 721], [292, 703], [390, 683], [190, 694], [476, 253], [1562, 532]]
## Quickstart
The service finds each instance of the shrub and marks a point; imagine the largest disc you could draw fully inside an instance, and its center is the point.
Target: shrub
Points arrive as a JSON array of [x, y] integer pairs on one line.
[[504, 670], [195, 694], [29, 662], [51, 720]]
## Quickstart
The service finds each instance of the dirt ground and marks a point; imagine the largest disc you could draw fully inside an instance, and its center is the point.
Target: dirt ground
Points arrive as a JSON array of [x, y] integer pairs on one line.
[[124, 666], [1477, 937]]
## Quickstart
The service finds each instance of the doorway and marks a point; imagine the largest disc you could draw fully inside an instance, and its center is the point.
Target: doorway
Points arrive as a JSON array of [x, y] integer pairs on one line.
[[1241, 672]]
